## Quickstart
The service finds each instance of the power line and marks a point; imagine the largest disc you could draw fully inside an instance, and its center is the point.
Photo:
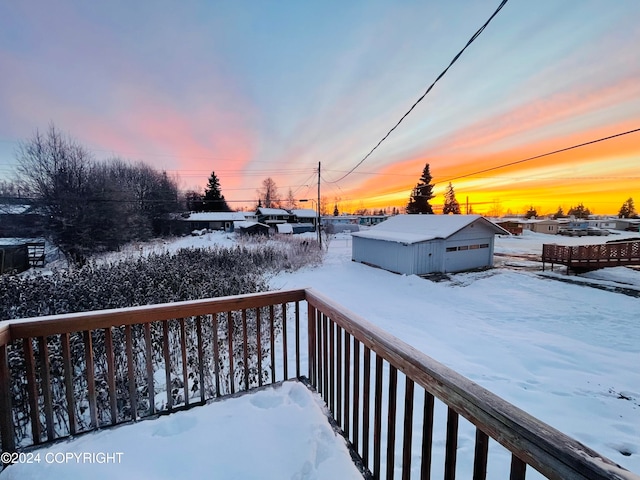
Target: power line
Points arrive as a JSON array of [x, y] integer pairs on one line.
[[572, 147], [455, 59], [540, 156]]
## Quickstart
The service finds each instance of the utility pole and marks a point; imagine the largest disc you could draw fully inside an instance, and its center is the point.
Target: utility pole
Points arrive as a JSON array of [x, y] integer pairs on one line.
[[318, 205]]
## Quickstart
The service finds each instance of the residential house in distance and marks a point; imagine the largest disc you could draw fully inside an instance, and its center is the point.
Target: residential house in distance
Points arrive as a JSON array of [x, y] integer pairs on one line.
[[273, 216], [513, 226], [212, 220], [421, 244], [543, 225], [305, 220]]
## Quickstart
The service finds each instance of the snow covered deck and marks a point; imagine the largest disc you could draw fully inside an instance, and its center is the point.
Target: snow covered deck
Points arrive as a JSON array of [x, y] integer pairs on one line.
[[281, 432], [67, 374]]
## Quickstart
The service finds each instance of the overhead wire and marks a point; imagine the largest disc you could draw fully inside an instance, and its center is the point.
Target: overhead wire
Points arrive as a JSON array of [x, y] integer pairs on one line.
[[442, 74], [508, 164], [591, 142]]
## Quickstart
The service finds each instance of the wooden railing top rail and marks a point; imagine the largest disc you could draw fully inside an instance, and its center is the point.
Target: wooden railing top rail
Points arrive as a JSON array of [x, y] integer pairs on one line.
[[75, 322], [553, 453]]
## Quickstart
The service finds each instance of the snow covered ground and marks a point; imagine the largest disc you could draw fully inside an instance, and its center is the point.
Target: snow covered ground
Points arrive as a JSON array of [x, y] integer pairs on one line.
[[566, 353]]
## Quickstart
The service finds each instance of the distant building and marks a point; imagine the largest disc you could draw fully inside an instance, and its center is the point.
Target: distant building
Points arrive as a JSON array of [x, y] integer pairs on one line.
[[212, 220], [273, 216], [421, 244]]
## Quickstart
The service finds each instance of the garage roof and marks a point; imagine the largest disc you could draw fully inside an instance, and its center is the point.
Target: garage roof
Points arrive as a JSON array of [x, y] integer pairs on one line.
[[421, 228]]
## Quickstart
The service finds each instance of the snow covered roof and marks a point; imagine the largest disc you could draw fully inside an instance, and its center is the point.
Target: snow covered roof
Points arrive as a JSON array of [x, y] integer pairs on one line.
[[421, 228], [285, 228], [272, 211], [10, 209], [304, 212], [248, 224], [216, 217]]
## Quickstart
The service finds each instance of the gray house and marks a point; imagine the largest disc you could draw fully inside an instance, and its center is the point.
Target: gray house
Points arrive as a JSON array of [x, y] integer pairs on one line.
[[420, 244], [213, 220]]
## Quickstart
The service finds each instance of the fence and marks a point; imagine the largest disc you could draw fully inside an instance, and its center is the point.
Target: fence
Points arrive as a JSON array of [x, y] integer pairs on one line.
[[66, 374]]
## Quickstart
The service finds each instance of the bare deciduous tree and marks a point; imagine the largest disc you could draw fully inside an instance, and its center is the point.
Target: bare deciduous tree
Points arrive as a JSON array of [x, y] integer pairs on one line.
[[268, 194]]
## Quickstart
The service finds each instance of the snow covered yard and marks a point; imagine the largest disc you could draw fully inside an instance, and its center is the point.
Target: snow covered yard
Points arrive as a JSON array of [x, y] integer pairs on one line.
[[565, 353]]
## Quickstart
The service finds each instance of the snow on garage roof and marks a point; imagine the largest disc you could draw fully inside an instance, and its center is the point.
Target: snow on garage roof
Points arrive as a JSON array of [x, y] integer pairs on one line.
[[421, 228]]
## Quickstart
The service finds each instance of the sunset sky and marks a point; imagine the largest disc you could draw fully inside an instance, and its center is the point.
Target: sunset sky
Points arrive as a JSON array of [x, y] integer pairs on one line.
[[253, 89]]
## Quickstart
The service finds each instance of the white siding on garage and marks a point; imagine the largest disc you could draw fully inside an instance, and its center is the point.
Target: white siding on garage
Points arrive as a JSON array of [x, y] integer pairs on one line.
[[391, 256]]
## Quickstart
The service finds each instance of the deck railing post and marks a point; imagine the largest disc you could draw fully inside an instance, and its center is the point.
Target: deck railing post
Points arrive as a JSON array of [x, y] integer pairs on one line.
[[6, 421]]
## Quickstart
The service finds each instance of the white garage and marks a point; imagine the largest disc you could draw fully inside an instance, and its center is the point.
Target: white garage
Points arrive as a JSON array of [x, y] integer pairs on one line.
[[420, 244]]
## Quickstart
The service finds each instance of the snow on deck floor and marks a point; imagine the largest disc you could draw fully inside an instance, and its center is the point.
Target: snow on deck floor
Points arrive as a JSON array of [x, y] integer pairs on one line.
[[275, 433]]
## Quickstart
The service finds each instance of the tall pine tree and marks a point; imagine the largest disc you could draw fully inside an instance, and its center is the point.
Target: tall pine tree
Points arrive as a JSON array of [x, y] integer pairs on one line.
[[451, 205], [213, 200], [422, 193]]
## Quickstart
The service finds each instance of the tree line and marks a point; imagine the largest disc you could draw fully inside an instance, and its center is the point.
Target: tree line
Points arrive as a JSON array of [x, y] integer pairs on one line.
[[86, 205]]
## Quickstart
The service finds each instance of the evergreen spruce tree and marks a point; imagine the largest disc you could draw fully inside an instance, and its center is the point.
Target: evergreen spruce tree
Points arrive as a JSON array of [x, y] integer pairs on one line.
[[422, 193], [451, 205], [335, 210], [213, 200], [627, 210]]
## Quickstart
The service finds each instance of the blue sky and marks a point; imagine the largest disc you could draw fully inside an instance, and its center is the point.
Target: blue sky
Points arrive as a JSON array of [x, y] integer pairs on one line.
[[257, 89]]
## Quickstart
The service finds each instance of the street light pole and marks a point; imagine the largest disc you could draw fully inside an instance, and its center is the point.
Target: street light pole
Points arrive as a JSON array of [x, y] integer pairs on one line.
[[317, 208]]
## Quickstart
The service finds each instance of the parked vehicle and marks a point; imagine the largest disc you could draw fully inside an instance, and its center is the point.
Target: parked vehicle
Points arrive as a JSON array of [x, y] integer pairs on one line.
[[573, 232], [597, 231]]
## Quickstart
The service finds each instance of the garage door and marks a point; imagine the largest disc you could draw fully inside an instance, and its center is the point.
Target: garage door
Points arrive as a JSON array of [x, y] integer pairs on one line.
[[466, 255]]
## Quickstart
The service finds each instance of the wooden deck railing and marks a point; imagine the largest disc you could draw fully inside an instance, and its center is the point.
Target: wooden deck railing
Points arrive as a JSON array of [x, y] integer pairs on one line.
[[66, 374], [591, 257]]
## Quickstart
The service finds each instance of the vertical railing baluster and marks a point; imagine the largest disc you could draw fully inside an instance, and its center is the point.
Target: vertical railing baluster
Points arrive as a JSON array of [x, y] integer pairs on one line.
[[518, 468], [7, 431], [111, 375], [377, 418], [259, 346], [32, 390], [167, 362], [427, 436], [149, 364], [298, 344], [332, 386], [356, 393], [45, 375], [366, 390], [325, 357], [216, 352], [91, 382], [230, 334], [131, 375], [347, 383], [68, 382], [480, 455], [285, 359], [272, 343], [391, 422], [198, 321], [183, 355], [245, 349], [319, 351], [311, 346], [408, 429], [339, 376], [452, 445]]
